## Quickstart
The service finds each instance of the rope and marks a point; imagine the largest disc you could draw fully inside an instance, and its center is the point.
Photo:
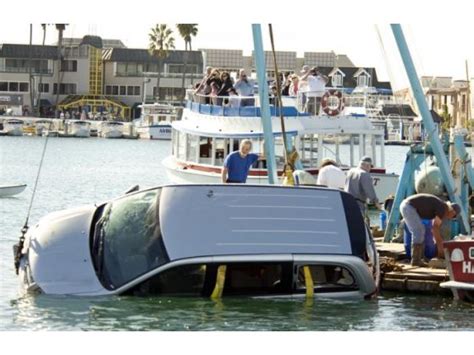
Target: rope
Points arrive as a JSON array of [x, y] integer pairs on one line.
[[37, 177]]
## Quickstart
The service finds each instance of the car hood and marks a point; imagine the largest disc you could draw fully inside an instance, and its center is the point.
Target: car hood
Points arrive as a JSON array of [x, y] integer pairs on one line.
[[59, 255]]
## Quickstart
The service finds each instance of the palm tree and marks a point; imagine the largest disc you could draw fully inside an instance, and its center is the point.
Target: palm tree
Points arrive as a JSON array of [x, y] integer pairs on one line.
[[161, 42], [38, 101], [186, 31], [60, 27]]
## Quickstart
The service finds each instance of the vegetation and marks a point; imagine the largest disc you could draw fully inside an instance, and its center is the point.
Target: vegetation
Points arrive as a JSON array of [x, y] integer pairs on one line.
[[161, 42], [186, 31]]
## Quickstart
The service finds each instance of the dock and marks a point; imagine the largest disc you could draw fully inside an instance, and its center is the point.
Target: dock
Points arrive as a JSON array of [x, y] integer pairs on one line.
[[398, 275]]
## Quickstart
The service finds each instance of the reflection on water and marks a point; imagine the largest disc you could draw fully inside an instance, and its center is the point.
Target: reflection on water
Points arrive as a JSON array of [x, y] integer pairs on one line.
[[78, 172], [128, 313]]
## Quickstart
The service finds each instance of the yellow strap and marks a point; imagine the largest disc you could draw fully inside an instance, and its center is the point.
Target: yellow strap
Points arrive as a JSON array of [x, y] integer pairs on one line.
[[308, 281], [220, 280], [288, 180]]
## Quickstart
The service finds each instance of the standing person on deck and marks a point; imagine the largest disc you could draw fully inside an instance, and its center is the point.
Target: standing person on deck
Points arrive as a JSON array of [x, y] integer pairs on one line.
[[331, 175], [359, 184], [237, 164], [426, 206]]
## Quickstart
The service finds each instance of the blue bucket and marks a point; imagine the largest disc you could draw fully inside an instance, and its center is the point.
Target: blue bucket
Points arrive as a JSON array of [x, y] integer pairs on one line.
[[430, 246]]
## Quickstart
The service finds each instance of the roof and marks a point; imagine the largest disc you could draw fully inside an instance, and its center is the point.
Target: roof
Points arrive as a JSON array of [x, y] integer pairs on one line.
[[143, 56], [404, 110], [24, 50], [350, 78], [259, 219]]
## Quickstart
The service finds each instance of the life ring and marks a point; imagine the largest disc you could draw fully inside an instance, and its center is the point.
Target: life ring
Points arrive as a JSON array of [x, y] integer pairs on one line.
[[330, 110]]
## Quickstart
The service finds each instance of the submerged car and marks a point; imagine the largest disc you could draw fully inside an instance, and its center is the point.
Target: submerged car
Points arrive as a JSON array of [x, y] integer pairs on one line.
[[194, 239]]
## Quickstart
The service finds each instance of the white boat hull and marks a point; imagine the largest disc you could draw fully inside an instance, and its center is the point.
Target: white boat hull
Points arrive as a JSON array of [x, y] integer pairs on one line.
[[112, 134], [81, 132], [384, 184], [11, 190], [14, 131], [161, 132]]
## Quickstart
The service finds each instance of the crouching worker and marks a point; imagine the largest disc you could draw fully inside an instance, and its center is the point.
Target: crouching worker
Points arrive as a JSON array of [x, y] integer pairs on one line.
[[426, 206]]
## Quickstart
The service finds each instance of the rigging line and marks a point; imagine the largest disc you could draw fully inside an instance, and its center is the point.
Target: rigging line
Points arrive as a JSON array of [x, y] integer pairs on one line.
[[37, 177]]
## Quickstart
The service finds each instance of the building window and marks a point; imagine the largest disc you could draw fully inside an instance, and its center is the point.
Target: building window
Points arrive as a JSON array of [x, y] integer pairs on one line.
[[43, 87], [129, 69], [362, 80], [65, 89], [136, 90], [337, 80], [179, 68], [24, 87], [12, 86], [130, 90], [108, 90], [69, 65], [115, 89], [123, 90], [3, 85]]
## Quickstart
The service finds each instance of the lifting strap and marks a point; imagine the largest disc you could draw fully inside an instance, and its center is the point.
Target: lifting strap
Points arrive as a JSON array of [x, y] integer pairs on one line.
[[220, 280], [308, 281]]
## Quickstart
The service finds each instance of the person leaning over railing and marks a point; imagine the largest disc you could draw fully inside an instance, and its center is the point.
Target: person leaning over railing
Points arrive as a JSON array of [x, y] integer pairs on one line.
[[226, 85], [244, 87], [203, 89]]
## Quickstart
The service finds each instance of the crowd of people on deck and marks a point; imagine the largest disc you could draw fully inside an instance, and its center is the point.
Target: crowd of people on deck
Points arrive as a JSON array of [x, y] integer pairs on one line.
[[217, 87]]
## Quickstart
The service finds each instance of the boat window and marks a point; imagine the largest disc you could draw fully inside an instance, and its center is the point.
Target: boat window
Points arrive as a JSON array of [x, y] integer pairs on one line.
[[205, 150], [326, 278], [181, 149], [127, 239], [192, 146], [220, 151]]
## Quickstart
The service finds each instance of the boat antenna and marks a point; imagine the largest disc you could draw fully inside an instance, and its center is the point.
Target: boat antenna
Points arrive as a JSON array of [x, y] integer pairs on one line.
[[24, 229], [289, 163]]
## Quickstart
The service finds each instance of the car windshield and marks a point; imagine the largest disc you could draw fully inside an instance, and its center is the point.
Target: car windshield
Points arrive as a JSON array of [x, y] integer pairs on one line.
[[127, 239]]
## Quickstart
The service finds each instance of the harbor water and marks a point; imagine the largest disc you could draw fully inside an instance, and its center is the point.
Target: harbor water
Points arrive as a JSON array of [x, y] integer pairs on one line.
[[83, 171]]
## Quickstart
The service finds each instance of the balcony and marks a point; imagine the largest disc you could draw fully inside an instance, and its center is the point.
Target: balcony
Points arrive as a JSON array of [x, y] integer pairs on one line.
[[24, 70], [162, 75]]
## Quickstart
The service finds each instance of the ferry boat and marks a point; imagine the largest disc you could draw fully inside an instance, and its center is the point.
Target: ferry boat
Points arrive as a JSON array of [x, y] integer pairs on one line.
[[263, 241], [207, 133], [111, 129], [459, 255], [13, 127], [155, 121]]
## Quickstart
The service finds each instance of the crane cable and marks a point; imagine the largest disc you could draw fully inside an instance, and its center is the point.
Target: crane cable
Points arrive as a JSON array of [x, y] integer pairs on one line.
[[19, 247]]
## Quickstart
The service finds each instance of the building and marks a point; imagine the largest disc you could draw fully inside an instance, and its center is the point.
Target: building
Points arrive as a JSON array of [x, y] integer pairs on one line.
[[447, 97]]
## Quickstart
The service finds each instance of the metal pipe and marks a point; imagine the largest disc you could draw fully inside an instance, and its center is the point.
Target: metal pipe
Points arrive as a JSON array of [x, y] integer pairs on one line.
[[428, 121], [264, 103]]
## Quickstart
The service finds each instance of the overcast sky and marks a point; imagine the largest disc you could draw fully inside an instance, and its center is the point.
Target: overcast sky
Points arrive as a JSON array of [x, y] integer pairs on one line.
[[439, 33]]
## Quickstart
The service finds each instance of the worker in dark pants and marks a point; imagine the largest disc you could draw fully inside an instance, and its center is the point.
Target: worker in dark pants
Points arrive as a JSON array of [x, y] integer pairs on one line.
[[426, 206]]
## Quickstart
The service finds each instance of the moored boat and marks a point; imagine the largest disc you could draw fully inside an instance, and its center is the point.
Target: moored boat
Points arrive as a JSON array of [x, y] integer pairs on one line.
[[79, 128], [459, 254], [13, 127], [207, 133], [111, 129], [155, 121], [11, 190]]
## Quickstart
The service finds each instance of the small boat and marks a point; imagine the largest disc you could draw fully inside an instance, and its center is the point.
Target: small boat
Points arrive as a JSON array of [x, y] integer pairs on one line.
[[11, 190], [43, 126], [80, 129], [111, 129], [244, 240], [459, 254], [155, 121], [13, 127]]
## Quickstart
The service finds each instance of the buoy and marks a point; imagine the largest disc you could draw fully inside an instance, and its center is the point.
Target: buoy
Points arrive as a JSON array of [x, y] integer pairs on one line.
[[429, 181]]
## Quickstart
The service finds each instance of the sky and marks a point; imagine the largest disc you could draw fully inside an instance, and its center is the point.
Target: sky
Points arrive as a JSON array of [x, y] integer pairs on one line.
[[437, 32]]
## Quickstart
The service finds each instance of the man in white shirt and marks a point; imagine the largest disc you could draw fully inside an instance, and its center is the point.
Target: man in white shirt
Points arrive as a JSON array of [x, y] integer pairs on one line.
[[315, 89], [331, 175]]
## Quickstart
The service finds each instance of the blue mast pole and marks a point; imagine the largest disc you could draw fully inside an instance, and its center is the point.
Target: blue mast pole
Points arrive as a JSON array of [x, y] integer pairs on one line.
[[436, 145], [264, 103]]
